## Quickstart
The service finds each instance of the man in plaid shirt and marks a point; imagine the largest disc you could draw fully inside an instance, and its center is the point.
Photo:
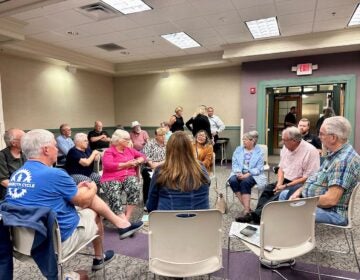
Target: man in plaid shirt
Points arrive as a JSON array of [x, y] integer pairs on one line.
[[338, 175]]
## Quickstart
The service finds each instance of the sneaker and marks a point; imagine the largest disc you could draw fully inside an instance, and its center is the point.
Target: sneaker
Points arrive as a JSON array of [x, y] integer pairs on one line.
[[99, 264], [130, 230], [274, 264], [247, 218]]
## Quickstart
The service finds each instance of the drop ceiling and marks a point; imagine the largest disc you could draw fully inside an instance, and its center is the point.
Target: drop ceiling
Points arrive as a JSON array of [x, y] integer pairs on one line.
[[61, 31]]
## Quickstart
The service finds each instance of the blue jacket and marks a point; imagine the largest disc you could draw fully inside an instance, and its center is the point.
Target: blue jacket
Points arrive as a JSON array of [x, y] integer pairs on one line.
[[256, 164], [40, 219], [6, 256], [163, 198]]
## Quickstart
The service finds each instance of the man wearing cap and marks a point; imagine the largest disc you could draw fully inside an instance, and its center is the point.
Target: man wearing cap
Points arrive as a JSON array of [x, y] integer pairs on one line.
[[98, 138], [138, 136]]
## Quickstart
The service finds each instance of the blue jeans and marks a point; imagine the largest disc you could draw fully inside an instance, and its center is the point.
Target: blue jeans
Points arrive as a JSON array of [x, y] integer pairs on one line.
[[327, 216], [242, 186], [285, 194]]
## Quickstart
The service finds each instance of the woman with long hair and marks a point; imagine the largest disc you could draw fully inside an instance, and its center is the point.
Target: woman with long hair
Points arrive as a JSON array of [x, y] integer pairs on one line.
[[182, 182], [203, 149]]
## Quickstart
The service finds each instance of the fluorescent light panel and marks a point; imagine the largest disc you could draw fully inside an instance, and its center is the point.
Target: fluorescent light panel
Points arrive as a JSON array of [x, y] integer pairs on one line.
[[181, 40], [263, 28], [355, 19], [128, 6]]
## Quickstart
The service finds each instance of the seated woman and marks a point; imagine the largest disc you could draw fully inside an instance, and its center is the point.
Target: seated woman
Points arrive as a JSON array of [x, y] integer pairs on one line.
[[247, 169], [120, 163], [203, 149], [181, 183], [80, 161]]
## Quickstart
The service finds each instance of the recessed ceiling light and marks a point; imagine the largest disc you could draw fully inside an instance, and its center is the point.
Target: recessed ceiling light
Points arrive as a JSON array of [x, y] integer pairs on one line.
[[128, 6], [355, 19], [181, 40], [263, 28]]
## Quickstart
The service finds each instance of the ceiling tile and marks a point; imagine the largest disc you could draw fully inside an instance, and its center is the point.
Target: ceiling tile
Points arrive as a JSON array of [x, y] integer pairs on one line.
[[242, 4], [191, 23], [296, 29], [205, 7], [284, 7], [223, 18], [327, 25], [258, 12]]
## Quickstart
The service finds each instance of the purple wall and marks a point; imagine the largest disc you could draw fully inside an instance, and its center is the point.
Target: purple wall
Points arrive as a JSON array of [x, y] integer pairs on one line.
[[329, 65]]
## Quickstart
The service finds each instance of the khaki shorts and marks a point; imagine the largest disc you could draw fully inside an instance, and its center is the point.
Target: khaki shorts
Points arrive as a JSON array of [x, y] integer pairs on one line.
[[86, 229]]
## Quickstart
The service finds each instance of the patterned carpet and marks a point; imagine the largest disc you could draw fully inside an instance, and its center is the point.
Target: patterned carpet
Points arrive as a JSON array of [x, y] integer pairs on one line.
[[126, 267]]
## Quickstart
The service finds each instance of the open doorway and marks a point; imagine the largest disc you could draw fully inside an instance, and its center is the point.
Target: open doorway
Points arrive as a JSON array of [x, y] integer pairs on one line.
[[309, 102]]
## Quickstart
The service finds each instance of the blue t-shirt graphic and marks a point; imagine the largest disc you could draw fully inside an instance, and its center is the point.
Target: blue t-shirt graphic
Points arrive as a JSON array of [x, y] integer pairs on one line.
[[36, 184]]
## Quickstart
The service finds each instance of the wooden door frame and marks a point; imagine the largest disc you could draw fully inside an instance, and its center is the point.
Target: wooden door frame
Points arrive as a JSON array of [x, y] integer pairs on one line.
[[350, 98]]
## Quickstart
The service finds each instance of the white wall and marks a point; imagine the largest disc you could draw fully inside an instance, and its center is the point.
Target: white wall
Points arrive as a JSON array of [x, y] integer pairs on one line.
[[151, 99], [41, 95]]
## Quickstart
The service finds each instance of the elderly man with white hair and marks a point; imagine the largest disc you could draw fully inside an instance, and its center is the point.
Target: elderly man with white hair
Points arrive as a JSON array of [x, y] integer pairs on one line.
[[338, 175], [37, 184]]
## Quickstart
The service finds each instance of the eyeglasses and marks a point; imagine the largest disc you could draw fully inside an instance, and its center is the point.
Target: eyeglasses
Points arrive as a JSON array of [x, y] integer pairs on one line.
[[126, 139], [322, 134]]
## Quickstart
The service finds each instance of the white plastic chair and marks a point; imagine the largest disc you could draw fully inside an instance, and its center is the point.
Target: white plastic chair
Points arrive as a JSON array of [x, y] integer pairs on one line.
[[289, 228], [349, 226], [185, 243], [23, 239]]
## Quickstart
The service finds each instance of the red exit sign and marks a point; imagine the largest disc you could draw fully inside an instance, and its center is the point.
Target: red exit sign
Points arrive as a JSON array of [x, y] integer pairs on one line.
[[304, 69]]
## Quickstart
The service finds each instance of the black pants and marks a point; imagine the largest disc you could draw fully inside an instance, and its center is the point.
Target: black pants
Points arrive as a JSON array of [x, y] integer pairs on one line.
[[267, 196], [216, 146], [145, 173]]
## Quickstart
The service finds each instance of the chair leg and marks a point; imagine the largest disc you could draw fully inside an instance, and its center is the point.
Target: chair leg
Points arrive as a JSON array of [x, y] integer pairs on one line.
[[61, 272], [278, 273], [353, 246], [347, 242]]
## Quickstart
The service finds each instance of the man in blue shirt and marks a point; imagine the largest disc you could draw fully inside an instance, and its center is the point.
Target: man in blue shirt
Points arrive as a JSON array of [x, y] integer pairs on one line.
[[64, 143], [36, 183]]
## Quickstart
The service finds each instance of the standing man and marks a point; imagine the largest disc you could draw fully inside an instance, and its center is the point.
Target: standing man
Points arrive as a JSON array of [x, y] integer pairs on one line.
[[338, 175], [64, 143], [290, 118], [11, 158], [98, 138], [138, 136], [216, 126], [304, 127]]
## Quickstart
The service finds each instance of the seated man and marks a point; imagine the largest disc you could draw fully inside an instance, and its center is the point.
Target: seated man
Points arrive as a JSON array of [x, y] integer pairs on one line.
[[98, 138], [38, 184], [80, 161], [338, 175], [138, 136], [11, 158], [64, 143], [298, 160], [155, 153]]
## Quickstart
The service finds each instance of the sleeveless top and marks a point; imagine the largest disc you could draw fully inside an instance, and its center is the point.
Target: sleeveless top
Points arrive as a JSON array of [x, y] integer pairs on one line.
[[178, 124]]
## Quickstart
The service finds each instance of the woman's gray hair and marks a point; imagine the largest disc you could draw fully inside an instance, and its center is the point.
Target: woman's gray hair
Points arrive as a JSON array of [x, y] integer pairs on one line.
[[118, 135], [252, 135], [79, 137], [34, 140], [338, 126], [293, 133]]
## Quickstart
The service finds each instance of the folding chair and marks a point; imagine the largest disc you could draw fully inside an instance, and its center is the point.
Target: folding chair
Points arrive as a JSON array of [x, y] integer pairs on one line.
[[23, 239], [282, 230], [185, 243], [349, 226]]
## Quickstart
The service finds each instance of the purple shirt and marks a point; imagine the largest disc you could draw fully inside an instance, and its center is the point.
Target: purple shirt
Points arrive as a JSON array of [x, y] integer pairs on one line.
[[111, 159]]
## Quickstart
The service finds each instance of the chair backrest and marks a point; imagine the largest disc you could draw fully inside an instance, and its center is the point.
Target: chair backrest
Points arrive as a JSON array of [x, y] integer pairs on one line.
[[352, 205], [190, 237], [288, 223], [264, 148]]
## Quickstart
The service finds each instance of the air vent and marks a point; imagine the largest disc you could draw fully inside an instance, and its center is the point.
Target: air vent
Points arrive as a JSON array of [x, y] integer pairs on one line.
[[110, 47], [98, 11]]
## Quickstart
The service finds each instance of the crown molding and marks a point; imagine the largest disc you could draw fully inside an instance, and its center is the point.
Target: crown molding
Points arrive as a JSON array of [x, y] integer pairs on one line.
[[315, 43], [38, 49]]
